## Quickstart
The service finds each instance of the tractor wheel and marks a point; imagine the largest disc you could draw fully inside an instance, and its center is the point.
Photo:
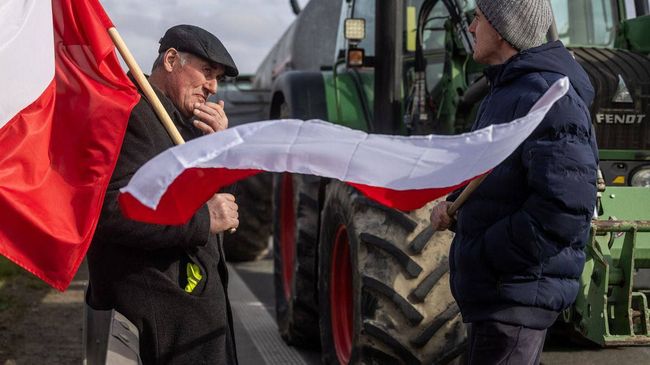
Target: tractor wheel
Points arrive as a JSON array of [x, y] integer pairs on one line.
[[295, 227], [384, 285], [251, 240]]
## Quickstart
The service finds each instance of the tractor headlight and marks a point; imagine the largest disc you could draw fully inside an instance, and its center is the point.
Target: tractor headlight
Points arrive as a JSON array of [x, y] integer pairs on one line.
[[641, 177]]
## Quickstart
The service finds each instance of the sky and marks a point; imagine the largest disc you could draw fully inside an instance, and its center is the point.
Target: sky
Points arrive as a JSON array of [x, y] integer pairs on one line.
[[248, 28]]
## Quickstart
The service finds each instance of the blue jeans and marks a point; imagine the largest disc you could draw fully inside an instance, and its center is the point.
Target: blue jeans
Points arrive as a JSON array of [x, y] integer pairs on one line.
[[499, 343]]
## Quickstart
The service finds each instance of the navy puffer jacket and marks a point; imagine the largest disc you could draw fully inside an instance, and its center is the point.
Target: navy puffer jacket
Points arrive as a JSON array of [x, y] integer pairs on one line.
[[518, 250]]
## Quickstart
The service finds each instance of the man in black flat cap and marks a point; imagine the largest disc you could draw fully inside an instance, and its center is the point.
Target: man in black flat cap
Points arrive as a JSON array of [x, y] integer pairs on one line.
[[170, 281]]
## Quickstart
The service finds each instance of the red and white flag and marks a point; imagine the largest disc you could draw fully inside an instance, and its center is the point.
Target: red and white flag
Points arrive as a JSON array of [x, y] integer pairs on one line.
[[64, 106], [401, 172]]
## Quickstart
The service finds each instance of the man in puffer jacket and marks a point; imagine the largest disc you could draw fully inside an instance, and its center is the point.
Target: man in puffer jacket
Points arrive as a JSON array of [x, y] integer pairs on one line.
[[518, 252]]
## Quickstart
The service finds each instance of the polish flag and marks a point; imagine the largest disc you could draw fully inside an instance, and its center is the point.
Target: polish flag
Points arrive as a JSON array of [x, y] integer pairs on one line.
[[64, 106], [400, 172]]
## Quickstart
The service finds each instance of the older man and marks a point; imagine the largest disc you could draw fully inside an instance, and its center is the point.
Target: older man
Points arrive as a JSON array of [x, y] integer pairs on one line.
[[518, 250], [170, 281]]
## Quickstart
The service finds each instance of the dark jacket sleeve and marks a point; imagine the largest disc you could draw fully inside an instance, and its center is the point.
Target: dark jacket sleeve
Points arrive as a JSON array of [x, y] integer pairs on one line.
[[143, 140], [561, 164]]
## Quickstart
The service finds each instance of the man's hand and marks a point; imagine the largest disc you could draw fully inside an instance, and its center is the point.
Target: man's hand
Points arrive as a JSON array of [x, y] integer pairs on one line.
[[210, 117], [223, 213], [440, 220]]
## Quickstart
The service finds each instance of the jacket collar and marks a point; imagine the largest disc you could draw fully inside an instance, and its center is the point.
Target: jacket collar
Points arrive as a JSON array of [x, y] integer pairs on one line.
[[499, 74]]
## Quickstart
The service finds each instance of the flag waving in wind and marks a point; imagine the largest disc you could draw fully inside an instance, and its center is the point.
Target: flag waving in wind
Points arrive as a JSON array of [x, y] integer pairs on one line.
[[401, 172], [64, 106]]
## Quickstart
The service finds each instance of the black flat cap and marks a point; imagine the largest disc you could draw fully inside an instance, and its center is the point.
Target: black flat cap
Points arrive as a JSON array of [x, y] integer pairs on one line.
[[199, 42]]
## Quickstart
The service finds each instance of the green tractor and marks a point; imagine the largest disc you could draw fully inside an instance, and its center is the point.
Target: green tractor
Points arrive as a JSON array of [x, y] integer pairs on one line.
[[368, 283]]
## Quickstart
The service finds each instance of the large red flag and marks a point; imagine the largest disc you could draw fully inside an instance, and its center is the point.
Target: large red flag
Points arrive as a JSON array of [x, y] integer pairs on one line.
[[64, 106]]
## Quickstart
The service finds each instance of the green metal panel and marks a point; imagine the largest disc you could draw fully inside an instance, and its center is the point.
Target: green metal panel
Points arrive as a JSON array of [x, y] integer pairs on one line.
[[623, 155], [346, 94], [588, 312], [626, 203], [633, 35], [609, 309]]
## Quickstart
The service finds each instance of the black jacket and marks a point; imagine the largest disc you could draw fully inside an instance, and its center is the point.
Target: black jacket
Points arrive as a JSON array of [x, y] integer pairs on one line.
[[518, 250], [140, 269]]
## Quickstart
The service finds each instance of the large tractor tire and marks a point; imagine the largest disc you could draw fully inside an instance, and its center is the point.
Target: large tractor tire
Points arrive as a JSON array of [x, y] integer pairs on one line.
[[295, 227], [384, 285], [250, 241]]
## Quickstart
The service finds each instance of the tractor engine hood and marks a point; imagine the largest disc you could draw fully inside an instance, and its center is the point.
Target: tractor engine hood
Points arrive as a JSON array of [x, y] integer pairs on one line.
[[621, 80]]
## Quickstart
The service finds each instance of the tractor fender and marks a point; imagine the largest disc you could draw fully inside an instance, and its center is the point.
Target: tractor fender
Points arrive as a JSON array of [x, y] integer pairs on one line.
[[303, 92]]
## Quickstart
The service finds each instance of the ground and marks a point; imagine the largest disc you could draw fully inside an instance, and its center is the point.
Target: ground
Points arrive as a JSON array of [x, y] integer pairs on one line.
[[40, 325], [38, 322]]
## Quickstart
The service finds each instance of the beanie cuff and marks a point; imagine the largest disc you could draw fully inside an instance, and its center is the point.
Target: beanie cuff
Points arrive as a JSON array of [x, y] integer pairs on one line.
[[522, 23]]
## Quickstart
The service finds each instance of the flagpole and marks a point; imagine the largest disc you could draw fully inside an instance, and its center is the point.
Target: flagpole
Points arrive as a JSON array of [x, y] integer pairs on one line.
[[145, 86], [469, 189]]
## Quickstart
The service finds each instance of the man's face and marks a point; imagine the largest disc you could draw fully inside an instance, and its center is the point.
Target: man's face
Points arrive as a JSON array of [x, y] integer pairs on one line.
[[192, 81], [487, 41]]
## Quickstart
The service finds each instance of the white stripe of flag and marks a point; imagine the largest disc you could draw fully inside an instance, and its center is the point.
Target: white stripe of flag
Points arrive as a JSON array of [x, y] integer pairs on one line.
[[395, 163], [26, 54]]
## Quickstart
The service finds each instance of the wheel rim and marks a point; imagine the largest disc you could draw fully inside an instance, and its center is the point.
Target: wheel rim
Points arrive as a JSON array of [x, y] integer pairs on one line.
[[341, 296], [287, 233]]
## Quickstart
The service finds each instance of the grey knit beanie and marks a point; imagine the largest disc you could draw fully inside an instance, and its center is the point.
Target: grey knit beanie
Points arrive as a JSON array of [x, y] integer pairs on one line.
[[523, 23]]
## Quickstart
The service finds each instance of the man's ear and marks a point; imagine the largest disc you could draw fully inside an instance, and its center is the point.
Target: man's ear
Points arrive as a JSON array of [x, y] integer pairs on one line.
[[170, 58]]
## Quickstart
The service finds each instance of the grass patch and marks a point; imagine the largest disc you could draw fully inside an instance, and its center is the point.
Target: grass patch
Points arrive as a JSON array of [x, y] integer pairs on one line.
[[8, 268], [14, 280], [5, 303]]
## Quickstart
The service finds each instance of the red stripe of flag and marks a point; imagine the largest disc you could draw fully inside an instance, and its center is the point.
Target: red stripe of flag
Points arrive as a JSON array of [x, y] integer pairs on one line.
[[177, 206]]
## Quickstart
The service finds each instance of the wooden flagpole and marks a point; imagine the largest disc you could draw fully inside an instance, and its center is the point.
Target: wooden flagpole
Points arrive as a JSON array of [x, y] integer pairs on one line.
[[145, 86], [469, 189]]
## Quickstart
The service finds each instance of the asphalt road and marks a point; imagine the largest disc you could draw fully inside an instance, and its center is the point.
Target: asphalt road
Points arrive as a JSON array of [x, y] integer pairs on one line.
[[250, 290], [258, 342]]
